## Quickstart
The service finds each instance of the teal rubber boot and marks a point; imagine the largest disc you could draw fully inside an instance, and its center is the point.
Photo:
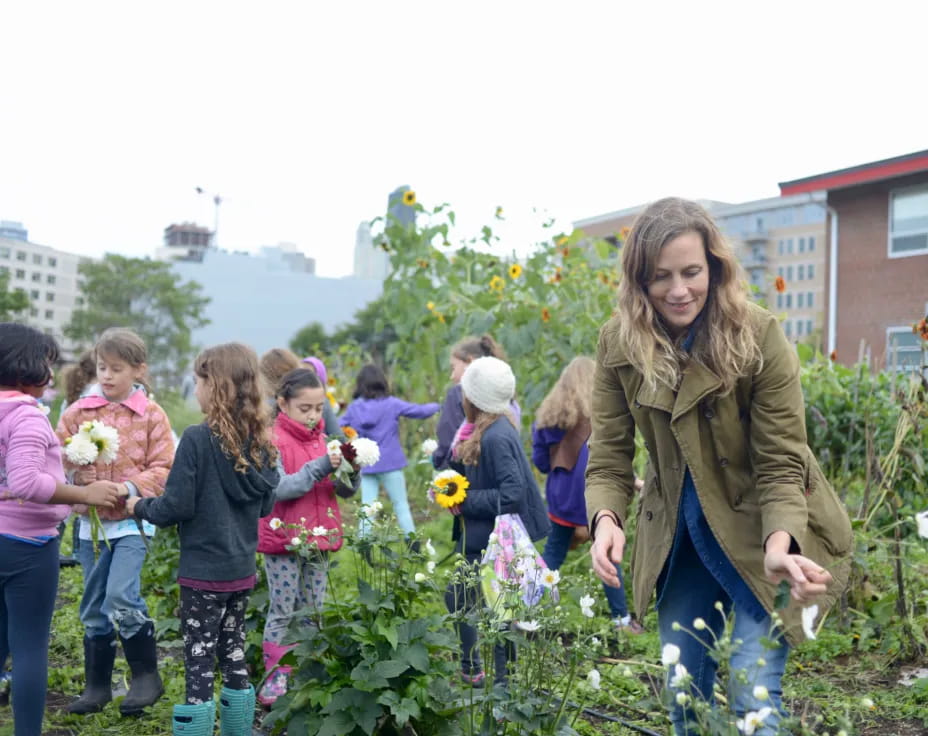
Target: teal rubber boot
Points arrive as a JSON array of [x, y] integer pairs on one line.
[[194, 720], [236, 711]]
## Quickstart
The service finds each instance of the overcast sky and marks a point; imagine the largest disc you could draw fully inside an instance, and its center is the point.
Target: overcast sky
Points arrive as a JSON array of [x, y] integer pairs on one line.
[[303, 116]]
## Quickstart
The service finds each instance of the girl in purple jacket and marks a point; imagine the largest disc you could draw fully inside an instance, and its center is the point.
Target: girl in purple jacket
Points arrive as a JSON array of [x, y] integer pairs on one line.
[[375, 414], [559, 448], [34, 498]]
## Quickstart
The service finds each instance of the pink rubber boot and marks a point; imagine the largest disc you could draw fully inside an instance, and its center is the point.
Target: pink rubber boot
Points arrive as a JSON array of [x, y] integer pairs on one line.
[[276, 683]]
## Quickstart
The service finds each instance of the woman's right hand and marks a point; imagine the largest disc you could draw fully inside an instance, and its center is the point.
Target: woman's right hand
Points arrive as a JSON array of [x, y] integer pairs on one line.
[[608, 546], [85, 475], [104, 493]]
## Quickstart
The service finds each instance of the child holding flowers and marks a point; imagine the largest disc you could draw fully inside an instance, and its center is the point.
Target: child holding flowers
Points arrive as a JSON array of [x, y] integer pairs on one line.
[[305, 498], [33, 500], [499, 481], [222, 482], [112, 598], [375, 414]]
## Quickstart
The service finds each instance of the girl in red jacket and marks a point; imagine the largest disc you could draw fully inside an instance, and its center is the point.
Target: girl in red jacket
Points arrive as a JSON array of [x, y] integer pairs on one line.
[[305, 496]]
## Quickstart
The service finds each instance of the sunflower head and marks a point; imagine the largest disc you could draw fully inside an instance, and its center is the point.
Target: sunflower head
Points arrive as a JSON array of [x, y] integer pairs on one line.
[[450, 490], [497, 283], [515, 270], [409, 198], [430, 306]]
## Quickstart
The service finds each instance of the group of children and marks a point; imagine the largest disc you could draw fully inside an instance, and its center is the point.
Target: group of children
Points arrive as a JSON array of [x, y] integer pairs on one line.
[[222, 486]]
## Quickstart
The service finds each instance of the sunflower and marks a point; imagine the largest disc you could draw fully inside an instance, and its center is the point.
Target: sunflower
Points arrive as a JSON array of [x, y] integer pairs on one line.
[[780, 284], [497, 283], [409, 198], [349, 432], [441, 317], [561, 241], [545, 315], [422, 263], [515, 270], [430, 306], [450, 490]]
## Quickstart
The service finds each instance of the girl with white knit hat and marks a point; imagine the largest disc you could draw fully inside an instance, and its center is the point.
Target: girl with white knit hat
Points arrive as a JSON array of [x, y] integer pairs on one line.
[[500, 482]]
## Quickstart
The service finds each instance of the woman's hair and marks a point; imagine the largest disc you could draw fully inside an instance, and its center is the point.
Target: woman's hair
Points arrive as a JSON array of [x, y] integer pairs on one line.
[[727, 346], [295, 381], [470, 348], [371, 383], [123, 344], [25, 355], [469, 449], [571, 398], [275, 364], [77, 376], [236, 413]]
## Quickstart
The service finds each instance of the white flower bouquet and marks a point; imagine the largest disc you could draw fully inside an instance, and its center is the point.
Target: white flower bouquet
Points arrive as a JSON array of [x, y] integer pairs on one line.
[[359, 452], [94, 442]]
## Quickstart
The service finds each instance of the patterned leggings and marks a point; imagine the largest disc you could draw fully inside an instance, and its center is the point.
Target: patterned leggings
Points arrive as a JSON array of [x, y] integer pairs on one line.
[[213, 626], [293, 582]]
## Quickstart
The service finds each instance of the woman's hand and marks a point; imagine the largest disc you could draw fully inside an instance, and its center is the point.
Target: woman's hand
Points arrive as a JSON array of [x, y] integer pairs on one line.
[[807, 579], [85, 475], [103, 493], [608, 546]]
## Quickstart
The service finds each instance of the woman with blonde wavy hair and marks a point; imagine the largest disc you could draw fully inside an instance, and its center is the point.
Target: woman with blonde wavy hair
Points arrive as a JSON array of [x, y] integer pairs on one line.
[[222, 482], [560, 437], [734, 502]]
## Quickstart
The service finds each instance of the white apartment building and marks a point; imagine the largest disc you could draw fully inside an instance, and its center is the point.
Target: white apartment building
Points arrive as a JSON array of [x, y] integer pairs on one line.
[[48, 276]]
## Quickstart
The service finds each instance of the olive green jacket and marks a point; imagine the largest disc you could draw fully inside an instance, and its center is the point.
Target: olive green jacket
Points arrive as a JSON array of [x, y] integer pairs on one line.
[[746, 451]]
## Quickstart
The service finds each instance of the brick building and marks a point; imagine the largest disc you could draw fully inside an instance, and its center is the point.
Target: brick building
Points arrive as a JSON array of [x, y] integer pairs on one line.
[[877, 260]]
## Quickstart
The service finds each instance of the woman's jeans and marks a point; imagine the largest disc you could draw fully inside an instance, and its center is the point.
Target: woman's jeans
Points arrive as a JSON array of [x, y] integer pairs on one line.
[[28, 586], [112, 589], [395, 483], [691, 592], [556, 548]]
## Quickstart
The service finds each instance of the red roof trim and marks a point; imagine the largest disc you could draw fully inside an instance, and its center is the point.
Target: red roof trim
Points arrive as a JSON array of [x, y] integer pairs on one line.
[[876, 171]]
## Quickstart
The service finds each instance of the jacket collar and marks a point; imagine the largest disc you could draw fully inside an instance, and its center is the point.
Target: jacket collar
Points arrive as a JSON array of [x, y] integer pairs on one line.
[[93, 398], [298, 431]]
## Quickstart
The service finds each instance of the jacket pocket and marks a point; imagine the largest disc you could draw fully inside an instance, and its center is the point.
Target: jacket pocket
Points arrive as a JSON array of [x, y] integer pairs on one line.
[[828, 518]]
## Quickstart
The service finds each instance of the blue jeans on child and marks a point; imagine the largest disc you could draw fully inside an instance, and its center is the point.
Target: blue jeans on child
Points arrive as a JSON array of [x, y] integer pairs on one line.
[[112, 589], [395, 483], [691, 592], [28, 586], [556, 548]]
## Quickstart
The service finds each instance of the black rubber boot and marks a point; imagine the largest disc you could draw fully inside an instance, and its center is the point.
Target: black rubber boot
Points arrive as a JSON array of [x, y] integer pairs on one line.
[[99, 655], [142, 656]]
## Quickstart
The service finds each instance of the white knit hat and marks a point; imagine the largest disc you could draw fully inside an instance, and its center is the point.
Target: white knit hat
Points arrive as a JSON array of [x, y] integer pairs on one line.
[[489, 384]]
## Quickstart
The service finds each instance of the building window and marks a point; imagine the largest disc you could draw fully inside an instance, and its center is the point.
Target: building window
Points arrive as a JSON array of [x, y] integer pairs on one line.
[[811, 244], [799, 326], [49, 296], [809, 300], [5, 252], [789, 273], [37, 259], [799, 300], [49, 314], [802, 245], [36, 276], [20, 255], [34, 294], [908, 222], [780, 248], [808, 326], [810, 272], [789, 301], [33, 312], [779, 301], [788, 328], [51, 278], [903, 349], [20, 273], [801, 271], [52, 261], [780, 272]]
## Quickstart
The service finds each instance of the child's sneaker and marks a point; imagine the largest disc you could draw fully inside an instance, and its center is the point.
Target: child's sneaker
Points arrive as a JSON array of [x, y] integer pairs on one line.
[[475, 679], [274, 687], [628, 625]]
